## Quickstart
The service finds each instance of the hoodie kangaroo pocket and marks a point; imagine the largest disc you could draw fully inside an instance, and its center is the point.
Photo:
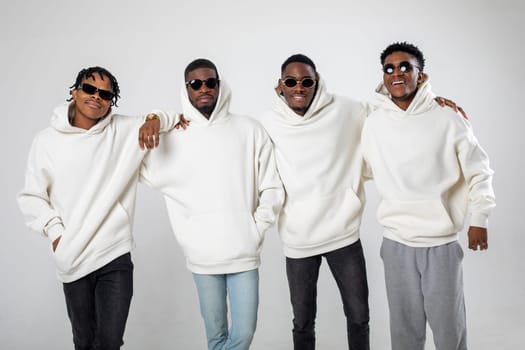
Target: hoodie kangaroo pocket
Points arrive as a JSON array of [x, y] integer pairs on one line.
[[320, 219], [217, 237], [415, 220], [87, 241]]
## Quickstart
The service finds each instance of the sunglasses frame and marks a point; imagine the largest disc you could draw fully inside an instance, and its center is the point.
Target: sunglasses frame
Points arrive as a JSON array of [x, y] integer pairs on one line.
[[409, 67], [200, 82], [299, 82], [91, 90]]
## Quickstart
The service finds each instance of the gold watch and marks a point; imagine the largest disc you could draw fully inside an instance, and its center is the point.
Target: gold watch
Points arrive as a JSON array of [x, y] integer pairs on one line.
[[152, 116]]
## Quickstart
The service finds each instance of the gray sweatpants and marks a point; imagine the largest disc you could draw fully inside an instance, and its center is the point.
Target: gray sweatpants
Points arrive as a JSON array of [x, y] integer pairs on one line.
[[425, 284]]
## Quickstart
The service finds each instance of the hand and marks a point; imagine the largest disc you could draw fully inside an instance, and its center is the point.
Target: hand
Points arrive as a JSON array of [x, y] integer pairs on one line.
[[445, 102], [477, 237], [149, 134], [183, 123], [55, 243]]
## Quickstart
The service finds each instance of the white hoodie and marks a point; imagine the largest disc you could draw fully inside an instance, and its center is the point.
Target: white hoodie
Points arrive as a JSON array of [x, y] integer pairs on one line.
[[319, 160], [81, 185], [221, 186], [427, 165]]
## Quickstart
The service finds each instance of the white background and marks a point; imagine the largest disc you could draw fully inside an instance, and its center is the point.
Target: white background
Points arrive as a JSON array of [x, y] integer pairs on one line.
[[475, 56]]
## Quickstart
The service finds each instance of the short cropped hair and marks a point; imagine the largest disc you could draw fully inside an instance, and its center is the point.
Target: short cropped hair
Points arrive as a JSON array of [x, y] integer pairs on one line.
[[200, 63], [404, 47], [298, 58], [102, 72]]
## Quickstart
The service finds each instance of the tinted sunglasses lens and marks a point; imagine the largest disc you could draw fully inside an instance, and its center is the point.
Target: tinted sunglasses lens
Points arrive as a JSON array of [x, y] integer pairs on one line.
[[105, 95], [91, 90], [88, 89], [405, 67], [290, 82], [388, 68], [211, 83], [308, 83], [195, 84]]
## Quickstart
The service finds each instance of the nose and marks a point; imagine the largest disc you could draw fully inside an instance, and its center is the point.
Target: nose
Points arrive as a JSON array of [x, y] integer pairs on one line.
[[96, 96]]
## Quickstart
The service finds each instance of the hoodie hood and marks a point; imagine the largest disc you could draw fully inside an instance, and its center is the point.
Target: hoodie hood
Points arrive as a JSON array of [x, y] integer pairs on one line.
[[60, 121], [220, 112], [422, 102], [321, 99]]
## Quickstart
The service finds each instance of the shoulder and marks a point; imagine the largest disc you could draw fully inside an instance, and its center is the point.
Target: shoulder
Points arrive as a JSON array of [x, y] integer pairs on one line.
[[249, 124], [121, 121], [355, 108]]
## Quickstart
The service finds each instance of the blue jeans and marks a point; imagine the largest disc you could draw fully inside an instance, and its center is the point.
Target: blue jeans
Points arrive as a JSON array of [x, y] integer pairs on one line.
[[243, 291], [348, 268], [98, 305]]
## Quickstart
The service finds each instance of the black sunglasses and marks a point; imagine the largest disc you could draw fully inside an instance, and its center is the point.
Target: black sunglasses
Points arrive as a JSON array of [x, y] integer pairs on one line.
[[404, 67], [305, 82], [196, 84], [91, 90]]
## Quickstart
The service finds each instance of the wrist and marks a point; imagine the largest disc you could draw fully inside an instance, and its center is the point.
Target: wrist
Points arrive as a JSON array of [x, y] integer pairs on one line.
[[152, 116]]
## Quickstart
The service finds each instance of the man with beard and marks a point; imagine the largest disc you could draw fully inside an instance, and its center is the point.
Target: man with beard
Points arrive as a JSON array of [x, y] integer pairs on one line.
[[222, 193]]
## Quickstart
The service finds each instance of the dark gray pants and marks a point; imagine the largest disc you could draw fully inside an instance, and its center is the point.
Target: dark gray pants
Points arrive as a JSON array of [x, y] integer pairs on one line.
[[425, 284], [348, 268], [98, 305]]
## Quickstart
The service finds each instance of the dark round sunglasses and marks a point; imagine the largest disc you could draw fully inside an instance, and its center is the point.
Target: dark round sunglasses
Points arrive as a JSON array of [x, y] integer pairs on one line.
[[91, 90], [305, 82], [196, 84], [404, 67]]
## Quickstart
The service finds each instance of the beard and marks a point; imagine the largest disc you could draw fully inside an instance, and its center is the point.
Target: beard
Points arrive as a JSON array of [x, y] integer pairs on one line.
[[206, 110]]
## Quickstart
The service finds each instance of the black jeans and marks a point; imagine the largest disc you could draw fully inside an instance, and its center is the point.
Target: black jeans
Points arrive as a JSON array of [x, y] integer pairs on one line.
[[98, 305], [348, 268]]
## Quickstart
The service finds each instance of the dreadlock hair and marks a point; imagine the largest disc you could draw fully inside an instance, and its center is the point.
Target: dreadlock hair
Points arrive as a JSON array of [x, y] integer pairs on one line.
[[404, 47], [102, 72], [200, 63], [298, 58]]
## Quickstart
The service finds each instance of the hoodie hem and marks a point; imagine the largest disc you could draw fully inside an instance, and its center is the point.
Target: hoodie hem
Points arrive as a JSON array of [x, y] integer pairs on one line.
[[224, 267], [96, 263], [325, 247]]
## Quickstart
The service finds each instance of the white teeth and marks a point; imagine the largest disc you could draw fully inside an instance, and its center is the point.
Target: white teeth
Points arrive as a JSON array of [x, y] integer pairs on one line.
[[397, 82]]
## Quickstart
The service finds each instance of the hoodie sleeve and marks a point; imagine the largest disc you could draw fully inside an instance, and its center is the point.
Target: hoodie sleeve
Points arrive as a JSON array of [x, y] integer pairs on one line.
[[474, 163], [168, 119], [271, 192], [33, 199]]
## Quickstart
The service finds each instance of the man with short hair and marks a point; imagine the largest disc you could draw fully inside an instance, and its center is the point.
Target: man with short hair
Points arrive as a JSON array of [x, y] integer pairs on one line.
[[316, 136], [222, 192], [430, 171], [79, 191]]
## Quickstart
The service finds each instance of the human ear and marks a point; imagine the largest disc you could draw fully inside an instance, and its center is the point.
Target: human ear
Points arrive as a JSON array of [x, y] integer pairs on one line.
[[278, 88]]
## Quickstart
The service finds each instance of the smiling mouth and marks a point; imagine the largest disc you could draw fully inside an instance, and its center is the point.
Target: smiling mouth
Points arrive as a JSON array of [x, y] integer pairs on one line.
[[298, 97], [399, 82], [93, 104]]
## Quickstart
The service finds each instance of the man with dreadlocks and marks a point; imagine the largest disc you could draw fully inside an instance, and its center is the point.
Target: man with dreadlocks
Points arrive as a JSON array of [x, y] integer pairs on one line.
[[79, 191]]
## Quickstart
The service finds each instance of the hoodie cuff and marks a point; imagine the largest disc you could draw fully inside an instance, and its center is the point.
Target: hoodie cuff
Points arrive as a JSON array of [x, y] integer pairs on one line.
[[54, 231], [479, 220], [262, 226]]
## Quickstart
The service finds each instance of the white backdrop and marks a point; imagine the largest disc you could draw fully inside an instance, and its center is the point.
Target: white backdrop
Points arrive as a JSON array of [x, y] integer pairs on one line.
[[475, 52]]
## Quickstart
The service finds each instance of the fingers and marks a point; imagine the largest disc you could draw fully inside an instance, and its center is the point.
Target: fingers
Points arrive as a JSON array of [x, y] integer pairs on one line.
[[440, 101], [148, 137], [451, 105], [478, 238], [463, 113], [55, 243], [183, 123]]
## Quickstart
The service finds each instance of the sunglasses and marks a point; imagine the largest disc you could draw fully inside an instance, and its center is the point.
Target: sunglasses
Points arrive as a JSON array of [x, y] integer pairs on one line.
[[404, 67], [305, 82], [196, 84], [91, 90]]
